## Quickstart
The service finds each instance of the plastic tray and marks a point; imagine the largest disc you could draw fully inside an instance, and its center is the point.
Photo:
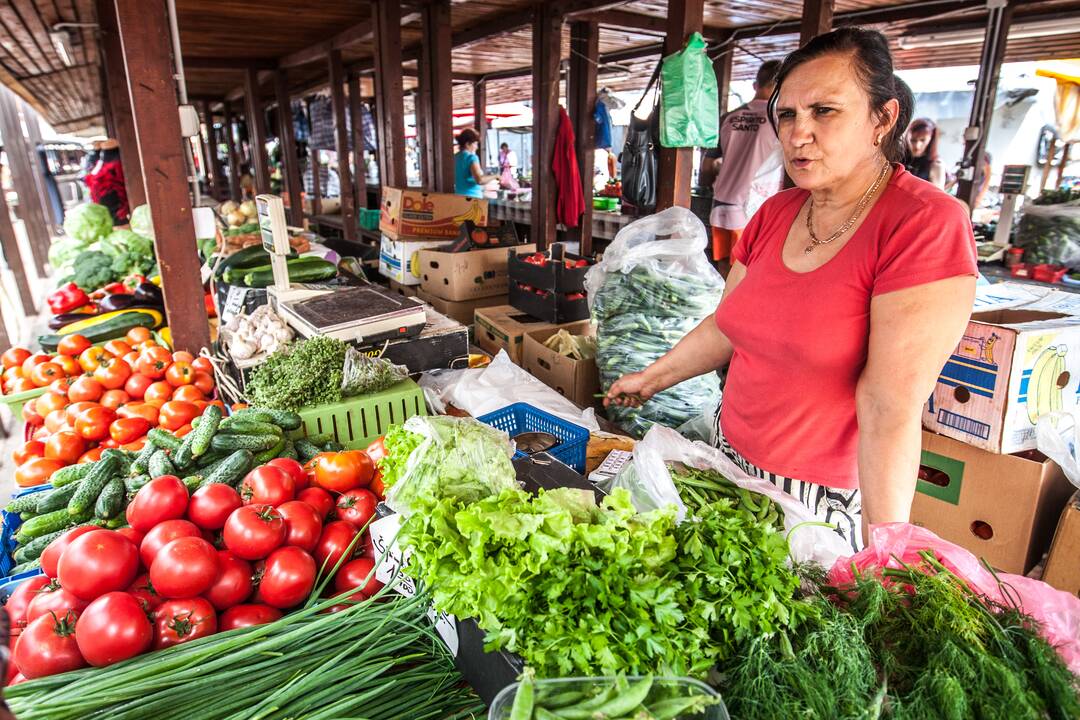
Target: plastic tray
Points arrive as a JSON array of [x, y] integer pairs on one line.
[[522, 417], [9, 525], [356, 422], [662, 688], [15, 401]]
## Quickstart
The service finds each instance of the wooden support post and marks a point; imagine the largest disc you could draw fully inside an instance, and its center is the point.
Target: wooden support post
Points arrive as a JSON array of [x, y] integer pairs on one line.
[[581, 101], [290, 159], [676, 166], [547, 45], [234, 153], [219, 189], [722, 68], [22, 177], [144, 34], [256, 124], [10, 245], [349, 226], [37, 164], [389, 94], [316, 191], [356, 119], [1064, 162], [816, 19], [435, 101], [479, 95], [120, 103]]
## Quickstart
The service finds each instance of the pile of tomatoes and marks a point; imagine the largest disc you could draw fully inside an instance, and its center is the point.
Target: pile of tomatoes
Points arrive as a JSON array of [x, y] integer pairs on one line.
[[102, 397], [189, 566]]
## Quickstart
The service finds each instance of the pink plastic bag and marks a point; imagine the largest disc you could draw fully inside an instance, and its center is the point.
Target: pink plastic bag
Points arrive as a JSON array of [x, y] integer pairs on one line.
[[894, 543]]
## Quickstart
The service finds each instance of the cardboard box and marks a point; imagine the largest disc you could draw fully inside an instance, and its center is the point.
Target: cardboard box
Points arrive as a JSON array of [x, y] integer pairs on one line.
[[399, 260], [577, 380], [461, 310], [466, 275], [1000, 507], [1011, 366], [417, 214], [1063, 565], [404, 290], [503, 328]]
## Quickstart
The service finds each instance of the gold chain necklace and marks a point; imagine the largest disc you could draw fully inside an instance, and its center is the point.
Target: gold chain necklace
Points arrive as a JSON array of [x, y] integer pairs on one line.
[[814, 241]]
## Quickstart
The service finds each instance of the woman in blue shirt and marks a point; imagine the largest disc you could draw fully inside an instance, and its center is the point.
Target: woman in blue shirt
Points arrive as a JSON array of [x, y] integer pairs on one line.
[[468, 178]]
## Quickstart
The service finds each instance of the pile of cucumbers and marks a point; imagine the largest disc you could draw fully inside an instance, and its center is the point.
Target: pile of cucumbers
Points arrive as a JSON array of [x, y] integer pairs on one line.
[[251, 267], [217, 450]]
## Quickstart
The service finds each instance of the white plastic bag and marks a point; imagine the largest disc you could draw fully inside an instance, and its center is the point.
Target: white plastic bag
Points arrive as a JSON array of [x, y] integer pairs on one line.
[[1057, 436], [651, 486], [1050, 233]]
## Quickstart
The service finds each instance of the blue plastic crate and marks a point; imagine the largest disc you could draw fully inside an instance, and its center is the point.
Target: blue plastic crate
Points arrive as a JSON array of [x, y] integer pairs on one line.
[[9, 525], [522, 417], [8, 585]]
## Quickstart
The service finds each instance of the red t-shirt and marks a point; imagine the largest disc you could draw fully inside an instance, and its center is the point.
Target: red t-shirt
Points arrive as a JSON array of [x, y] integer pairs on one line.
[[801, 339]]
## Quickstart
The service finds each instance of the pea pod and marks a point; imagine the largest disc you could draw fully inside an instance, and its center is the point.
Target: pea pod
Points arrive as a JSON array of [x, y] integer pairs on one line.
[[524, 699]]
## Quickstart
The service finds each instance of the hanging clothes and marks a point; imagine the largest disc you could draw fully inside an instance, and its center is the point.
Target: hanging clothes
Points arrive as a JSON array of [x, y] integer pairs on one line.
[[570, 202], [602, 118], [105, 181]]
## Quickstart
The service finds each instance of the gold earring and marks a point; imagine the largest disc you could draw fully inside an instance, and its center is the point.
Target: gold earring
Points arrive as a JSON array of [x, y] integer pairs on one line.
[[877, 141]]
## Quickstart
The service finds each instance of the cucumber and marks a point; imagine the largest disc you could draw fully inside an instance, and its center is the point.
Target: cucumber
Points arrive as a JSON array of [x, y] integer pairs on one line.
[[249, 427], [26, 566], [289, 451], [305, 450], [110, 502], [56, 499], [320, 439], [182, 457], [117, 521], [160, 464], [193, 483], [204, 433], [33, 549], [301, 270], [255, 443], [142, 461], [211, 458], [252, 413], [134, 484], [82, 502], [163, 439], [70, 474], [285, 420], [248, 257], [267, 455], [43, 525], [23, 503], [333, 446], [231, 470]]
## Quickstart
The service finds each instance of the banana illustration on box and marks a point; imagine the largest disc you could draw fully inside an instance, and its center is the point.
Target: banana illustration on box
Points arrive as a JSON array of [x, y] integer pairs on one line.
[[1043, 393], [474, 213]]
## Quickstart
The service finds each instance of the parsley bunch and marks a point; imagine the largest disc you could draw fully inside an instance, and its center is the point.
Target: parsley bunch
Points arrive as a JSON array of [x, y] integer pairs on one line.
[[302, 374]]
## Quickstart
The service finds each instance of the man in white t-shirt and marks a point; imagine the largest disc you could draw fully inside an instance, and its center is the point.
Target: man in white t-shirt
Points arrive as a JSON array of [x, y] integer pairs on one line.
[[750, 170]]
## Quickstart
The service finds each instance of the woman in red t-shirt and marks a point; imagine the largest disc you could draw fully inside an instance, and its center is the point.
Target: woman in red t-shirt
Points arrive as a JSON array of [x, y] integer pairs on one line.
[[847, 295]]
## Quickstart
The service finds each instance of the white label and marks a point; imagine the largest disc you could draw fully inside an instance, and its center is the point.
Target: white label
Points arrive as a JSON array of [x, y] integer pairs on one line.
[[234, 302], [446, 626]]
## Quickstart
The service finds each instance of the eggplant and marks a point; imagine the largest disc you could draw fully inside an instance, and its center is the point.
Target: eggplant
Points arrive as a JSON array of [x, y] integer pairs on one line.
[[116, 301], [58, 321], [148, 293]]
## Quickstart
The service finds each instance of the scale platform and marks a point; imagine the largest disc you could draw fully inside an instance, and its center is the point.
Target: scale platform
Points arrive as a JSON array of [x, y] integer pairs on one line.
[[364, 315]]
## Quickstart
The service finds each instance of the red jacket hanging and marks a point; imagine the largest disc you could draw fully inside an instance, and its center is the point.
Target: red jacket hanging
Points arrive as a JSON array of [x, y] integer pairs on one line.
[[570, 202]]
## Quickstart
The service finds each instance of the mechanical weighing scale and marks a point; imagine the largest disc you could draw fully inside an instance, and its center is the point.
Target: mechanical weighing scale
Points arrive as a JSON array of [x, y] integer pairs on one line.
[[365, 314], [1014, 179]]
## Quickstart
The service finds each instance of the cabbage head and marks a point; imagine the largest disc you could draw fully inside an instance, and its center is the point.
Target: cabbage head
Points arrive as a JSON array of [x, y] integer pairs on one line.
[[88, 223], [141, 223]]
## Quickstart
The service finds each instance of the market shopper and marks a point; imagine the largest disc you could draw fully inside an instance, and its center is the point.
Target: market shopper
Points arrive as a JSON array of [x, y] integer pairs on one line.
[[845, 298], [748, 166], [469, 179], [508, 166], [921, 144]]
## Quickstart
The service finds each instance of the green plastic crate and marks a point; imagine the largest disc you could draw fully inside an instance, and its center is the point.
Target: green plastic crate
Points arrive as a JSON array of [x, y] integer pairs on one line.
[[15, 401], [369, 218], [356, 422]]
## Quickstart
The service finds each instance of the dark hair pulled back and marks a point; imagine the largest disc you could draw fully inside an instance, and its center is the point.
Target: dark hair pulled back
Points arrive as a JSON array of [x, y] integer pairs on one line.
[[874, 68], [466, 136]]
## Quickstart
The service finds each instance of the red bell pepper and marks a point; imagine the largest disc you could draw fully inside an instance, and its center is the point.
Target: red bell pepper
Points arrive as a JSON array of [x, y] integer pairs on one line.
[[67, 298], [113, 288]]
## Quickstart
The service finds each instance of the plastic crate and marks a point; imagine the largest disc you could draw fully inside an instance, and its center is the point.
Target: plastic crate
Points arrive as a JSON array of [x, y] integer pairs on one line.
[[551, 307], [522, 417], [356, 422], [8, 585], [9, 525], [554, 276], [1049, 273], [15, 401], [369, 218], [662, 687]]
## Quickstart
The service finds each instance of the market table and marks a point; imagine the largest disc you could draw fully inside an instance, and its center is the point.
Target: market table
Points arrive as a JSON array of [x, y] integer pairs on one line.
[[605, 224]]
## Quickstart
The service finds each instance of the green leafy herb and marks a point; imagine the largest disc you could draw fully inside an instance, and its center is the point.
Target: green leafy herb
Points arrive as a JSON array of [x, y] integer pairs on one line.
[[303, 374]]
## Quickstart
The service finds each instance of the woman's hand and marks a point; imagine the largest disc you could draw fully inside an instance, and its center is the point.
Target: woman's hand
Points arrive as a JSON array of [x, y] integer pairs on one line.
[[631, 390]]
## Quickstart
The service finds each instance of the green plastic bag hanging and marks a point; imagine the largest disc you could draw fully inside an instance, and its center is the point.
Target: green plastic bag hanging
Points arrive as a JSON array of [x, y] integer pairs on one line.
[[689, 99]]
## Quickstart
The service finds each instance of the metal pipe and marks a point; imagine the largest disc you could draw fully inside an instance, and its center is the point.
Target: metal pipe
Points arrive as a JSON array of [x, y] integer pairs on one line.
[[181, 84]]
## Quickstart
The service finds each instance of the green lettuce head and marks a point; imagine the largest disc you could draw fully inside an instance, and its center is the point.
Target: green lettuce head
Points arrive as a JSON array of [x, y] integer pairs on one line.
[[140, 221], [88, 223]]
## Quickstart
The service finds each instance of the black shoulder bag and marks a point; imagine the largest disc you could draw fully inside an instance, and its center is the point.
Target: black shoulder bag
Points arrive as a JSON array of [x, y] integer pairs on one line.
[[638, 157]]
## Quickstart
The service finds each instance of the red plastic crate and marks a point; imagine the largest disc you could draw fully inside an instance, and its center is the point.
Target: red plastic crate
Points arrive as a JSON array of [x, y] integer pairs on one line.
[[1022, 270], [1049, 273]]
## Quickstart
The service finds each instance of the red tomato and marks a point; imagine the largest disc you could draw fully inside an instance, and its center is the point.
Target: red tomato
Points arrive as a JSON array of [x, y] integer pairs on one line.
[[72, 345], [177, 413], [132, 534], [119, 348], [303, 526], [191, 394], [29, 410], [91, 357], [287, 579], [33, 361], [233, 585], [376, 450], [66, 446], [137, 335], [70, 366], [343, 471], [254, 531], [358, 573], [50, 401], [45, 373], [158, 393], [144, 410], [56, 421], [47, 646], [113, 628], [184, 568], [320, 499], [183, 356], [14, 357], [91, 455], [181, 621], [163, 498], [204, 381], [62, 385], [52, 598], [50, 557], [180, 373], [334, 543], [28, 450], [96, 563], [114, 399], [36, 471], [85, 389], [143, 591], [112, 373], [161, 535], [19, 600], [211, 505], [153, 362], [357, 507], [73, 410], [204, 365], [93, 423], [126, 430], [267, 485], [240, 616], [294, 469], [136, 385], [377, 486]]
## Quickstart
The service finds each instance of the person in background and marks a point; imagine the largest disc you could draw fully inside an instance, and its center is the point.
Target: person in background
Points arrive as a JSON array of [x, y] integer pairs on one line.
[[748, 164], [508, 165], [105, 181], [922, 159], [469, 179]]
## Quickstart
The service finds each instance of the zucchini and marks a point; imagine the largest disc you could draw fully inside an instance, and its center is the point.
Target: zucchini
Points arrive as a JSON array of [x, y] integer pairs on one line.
[[231, 470], [248, 427], [255, 443], [305, 450], [248, 257], [23, 503], [33, 549], [70, 474], [107, 326], [267, 455], [285, 420], [26, 566], [204, 433], [163, 440], [160, 464], [82, 502], [56, 499], [43, 525], [134, 484], [141, 463], [256, 414], [301, 270], [110, 502]]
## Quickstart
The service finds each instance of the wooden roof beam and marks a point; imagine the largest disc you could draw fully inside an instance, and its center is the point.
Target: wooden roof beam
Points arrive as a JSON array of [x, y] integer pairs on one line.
[[873, 16], [358, 33], [225, 63], [644, 23]]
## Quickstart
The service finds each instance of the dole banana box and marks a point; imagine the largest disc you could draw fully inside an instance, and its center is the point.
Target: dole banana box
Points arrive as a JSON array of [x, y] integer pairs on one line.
[[418, 215]]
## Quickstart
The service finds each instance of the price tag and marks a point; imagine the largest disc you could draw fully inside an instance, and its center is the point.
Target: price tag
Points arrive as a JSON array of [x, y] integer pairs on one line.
[[234, 303], [446, 626]]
